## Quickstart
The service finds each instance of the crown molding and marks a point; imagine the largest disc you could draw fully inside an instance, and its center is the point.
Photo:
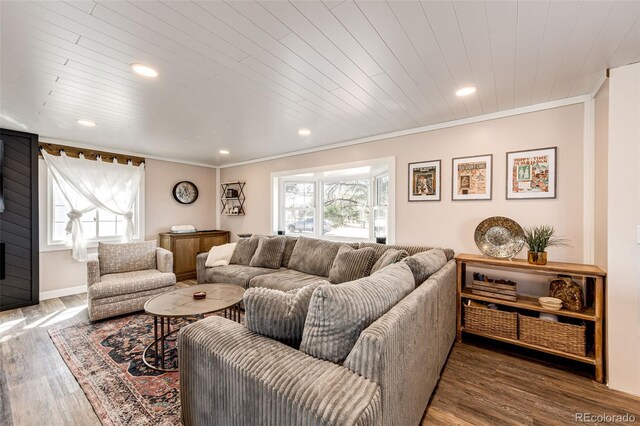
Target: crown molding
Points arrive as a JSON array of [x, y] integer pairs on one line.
[[461, 122]]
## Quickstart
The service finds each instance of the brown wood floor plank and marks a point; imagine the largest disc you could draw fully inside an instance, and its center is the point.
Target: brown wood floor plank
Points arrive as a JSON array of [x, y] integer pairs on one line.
[[478, 386]]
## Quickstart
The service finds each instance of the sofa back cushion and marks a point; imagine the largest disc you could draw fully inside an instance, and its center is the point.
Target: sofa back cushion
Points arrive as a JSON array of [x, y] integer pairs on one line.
[[245, 248], [389, 257], [269, 252], [351, 264], [278, 314], [126, 257], [338, 313], [381, 248], [314, 256], [425, 264]]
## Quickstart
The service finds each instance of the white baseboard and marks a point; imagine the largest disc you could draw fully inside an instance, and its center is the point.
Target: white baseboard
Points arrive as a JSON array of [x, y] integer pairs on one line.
[[44, 295]]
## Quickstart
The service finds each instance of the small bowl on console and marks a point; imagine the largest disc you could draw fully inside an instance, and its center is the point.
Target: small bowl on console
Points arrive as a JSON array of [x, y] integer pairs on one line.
[[550, 303]]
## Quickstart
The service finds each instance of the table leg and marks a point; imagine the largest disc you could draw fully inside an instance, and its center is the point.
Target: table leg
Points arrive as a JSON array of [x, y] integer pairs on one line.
[[161, 342], [155, 340]]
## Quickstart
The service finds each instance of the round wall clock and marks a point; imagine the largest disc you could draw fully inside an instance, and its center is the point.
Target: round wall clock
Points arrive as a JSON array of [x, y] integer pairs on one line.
[[185, 192]]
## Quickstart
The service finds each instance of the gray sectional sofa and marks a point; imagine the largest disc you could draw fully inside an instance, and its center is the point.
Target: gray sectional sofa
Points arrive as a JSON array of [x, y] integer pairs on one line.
[[230, 375]]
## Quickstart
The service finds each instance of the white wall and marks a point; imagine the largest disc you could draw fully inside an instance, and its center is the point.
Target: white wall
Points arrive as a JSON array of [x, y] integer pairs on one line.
[[450, 223], [61, 275], [623, 218]]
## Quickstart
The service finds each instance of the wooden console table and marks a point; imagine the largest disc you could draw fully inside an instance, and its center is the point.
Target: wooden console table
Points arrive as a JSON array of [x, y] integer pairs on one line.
[[593, 313], [185, 247]]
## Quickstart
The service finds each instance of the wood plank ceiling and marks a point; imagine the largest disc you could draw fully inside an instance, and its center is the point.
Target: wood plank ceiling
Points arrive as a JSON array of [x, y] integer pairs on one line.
[[245, 76]]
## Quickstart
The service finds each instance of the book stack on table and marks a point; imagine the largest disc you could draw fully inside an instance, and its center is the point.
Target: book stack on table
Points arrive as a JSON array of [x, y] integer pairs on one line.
[[498, 289]]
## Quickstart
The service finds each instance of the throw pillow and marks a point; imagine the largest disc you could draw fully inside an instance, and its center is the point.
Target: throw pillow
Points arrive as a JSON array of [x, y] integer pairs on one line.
[[288, 251], [278, 314], [313, 256], [426, 263], [351, 264], [389, 257], [245, 248], [269, 252], [338, 313], [220, 255], [127, 257]]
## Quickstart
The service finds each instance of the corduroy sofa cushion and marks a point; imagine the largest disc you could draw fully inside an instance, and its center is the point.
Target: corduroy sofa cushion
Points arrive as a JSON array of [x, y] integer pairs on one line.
[[425, 264], [381, 248], [338, 313], [288, 250], [245, 248], [285, 280], [278, 314], [314, 256], [269, 252], [389, 257], [127, 257], [351, 264]]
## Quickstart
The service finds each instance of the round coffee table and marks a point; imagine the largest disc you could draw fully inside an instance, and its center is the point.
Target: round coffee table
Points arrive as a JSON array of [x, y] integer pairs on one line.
[[181, 304]]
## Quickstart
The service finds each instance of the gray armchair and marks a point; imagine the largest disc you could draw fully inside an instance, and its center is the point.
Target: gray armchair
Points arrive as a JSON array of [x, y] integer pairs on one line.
[[122, 277]]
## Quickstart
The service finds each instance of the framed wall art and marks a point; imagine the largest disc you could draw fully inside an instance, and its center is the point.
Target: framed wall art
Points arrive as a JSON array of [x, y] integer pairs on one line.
[[424, 181], [532, 174], [472, 178]]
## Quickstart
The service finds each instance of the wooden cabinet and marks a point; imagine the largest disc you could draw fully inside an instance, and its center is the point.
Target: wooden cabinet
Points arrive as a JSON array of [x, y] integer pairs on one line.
[[593, 279], [185, 248]]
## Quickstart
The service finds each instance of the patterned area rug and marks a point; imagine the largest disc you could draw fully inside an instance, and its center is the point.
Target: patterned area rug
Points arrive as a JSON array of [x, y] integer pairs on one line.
[[106, 359]]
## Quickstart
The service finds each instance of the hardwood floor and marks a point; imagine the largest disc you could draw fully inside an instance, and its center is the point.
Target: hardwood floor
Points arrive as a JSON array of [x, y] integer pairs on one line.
[[478, 386]]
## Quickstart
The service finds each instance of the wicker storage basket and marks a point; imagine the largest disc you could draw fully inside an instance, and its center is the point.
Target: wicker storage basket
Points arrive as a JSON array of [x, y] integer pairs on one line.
[[491, 321], [554, 335]]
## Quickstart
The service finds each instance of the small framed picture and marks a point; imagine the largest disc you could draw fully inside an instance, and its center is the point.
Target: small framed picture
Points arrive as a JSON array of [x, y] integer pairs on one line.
[[471, 178], [424, 181], [532, 174]]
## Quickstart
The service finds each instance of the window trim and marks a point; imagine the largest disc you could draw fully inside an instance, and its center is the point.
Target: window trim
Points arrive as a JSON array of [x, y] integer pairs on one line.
[[277, 194], [47, 243]]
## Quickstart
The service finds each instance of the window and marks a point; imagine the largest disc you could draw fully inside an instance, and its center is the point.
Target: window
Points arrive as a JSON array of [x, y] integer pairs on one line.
[[342, 203], [346, 208], [299, 207], [97, 225], [381, 207]]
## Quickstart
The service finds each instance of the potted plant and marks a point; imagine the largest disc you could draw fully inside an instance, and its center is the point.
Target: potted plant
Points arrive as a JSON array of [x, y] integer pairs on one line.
[[538, 239]]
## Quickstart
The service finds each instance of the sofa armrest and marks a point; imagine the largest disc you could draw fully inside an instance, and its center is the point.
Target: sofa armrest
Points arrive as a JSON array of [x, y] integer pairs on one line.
[[231, 376], [201, 259], [164, 260], [405, 349], [93, 269]]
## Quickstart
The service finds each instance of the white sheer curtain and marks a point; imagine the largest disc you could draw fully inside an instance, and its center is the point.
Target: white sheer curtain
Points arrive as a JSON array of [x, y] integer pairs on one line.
[[86, 185]]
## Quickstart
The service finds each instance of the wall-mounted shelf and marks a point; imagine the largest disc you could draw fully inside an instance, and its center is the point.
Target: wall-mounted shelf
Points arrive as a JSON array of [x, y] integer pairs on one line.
[[234, 205]]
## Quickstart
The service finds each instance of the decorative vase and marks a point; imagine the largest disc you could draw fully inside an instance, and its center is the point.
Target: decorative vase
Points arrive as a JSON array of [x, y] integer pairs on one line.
[[567, 290], [537, 257]]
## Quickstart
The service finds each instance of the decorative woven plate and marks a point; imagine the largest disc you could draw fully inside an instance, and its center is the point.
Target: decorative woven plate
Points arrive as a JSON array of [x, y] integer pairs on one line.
[[499, 237]]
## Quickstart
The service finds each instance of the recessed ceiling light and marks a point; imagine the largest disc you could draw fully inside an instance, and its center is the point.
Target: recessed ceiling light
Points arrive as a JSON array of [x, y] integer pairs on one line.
[[304, 132], [87, 123], [144, 70], [466, 91], [224, 152]]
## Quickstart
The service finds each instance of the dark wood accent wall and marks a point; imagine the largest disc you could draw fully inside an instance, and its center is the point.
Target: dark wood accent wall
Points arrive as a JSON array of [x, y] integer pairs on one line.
[[90, 154], [19, 285]]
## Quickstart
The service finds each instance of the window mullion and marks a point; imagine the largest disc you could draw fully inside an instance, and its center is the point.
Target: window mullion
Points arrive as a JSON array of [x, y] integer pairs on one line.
[[319, 208]]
